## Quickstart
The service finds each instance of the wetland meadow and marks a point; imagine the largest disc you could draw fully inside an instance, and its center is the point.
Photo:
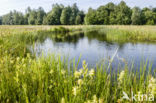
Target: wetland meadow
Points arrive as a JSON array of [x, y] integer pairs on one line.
[[78, 64]]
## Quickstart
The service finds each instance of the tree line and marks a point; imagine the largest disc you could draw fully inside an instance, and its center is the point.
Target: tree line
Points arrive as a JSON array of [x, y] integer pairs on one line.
[[109, 14]]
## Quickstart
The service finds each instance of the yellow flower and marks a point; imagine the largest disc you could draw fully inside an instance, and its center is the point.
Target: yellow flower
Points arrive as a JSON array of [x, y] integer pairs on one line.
[[80, 81], [77, 74], [51, 71], [91, 72], [75, 90], [121, 76], [95, 100], [84, 62], [152, 85], [152, 80], [88, 101], [81, 71], [11, 61], [63, 72], [8, 100], [84, 65], [101, 100], [30, 60], [63, 100], [18, 58], [23, 60], [28, 55], [50, 86]]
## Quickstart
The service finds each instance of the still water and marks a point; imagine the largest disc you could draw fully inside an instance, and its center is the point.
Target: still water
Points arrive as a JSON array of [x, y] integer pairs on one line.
[[95, 48]]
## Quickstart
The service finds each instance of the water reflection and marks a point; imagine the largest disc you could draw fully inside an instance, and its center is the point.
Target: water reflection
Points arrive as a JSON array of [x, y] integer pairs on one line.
[[94, 47]]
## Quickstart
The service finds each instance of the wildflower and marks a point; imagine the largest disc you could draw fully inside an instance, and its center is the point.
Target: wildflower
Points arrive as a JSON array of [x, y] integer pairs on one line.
[[23, 60], [75, 90], [121, 76], [63, 100], [80, 81], [8, 100], [88, 101], [77, 74], [30, 60], [51, 71], [91, 72], [18, 58], [11, 61], [63, 72], [95, 100], [152, 85], [119, 101], [2, 61], [81, 71], [101, 100], [50, 87], [28, 55], [84, 64], [152, 80]]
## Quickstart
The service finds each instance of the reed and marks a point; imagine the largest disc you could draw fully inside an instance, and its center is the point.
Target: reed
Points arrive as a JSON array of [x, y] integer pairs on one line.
[[50, 80], [25, 79]]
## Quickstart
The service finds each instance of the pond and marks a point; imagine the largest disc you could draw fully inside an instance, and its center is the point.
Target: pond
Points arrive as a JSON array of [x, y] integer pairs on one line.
[[95, 48]]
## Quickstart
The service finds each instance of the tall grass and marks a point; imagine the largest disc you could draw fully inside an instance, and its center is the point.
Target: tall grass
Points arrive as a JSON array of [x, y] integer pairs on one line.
[[51, 80], [25, 79], [126, 33]]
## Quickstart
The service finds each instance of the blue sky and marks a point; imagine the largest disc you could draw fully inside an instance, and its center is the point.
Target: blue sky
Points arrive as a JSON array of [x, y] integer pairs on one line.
[[21, 5]]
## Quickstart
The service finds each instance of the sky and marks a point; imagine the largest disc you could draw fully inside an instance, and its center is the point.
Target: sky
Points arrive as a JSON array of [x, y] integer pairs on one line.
[[20, 5]]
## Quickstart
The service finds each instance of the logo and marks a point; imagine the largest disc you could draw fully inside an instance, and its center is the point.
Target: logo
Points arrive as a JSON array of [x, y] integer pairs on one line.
[[138, 97]]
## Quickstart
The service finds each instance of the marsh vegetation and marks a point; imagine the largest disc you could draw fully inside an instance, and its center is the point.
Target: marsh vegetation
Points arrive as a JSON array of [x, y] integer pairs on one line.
[[29, 78]]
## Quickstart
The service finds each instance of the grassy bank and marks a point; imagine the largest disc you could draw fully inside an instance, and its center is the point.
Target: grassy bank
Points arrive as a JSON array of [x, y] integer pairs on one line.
[[51, 80], [25, 79], [126, 33]]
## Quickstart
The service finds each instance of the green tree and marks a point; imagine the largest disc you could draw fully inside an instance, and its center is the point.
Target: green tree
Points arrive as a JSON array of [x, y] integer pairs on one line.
[[8, 19], [136, 16], [102, 15], [91, 17], [74, 12], [27, 14], [45, 22], [123, 13], [154, 10], [148, 16], [40, 15], [81, 19], [65, 16], [32, 17], [111, 7], [53, 17], [78, 20], [18, 18]]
